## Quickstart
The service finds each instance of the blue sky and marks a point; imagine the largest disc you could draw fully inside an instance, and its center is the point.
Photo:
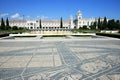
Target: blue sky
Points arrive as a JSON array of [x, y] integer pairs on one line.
[[54, 9]]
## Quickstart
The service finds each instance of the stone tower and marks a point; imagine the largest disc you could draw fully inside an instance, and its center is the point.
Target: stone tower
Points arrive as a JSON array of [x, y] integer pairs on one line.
[[79, 15], [79, 19]]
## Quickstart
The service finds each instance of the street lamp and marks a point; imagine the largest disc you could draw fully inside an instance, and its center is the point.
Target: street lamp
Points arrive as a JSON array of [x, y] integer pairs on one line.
[[23, 22]]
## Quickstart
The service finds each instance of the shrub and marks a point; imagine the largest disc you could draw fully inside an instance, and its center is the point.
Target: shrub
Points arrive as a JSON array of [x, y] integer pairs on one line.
[[8, 27], [21, 28], [85, 27], [14, 28]]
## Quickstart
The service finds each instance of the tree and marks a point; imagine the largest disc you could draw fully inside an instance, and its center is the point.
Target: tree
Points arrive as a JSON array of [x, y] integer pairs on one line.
[[40, 24], [93, 25], [118, 24], [111, 24], [21, 28], [14, 28], [99, 23], [61, 23], [7, 24], [2, 24], [84, 27], [8, 27], [104, 25]]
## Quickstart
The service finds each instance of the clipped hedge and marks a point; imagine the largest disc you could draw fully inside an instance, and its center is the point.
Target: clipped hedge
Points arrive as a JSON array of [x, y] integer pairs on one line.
[[109, 35], [24, 36], [4, 35], [82, 35], [53, 35]]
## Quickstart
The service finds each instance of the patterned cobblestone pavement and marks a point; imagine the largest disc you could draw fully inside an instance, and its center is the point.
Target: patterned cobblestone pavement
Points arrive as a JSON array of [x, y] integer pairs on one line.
[[60, 59]]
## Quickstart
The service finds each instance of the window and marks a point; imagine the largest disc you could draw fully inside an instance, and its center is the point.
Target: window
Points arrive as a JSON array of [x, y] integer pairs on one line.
[[31, 23], [80, 17]]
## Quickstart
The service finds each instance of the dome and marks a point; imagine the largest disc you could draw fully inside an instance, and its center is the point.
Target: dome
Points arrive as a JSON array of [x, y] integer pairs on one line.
[[79, 12]]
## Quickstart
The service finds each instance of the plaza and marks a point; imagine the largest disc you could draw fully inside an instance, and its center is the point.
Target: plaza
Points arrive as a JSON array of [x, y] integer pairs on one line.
[[60, 58]]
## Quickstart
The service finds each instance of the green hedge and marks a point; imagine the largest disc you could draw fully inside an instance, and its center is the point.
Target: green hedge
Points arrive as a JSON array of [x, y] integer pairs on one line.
[[24, 36], [82, 35], [85, 30], [53, 35], [4, 35], [109, 35]]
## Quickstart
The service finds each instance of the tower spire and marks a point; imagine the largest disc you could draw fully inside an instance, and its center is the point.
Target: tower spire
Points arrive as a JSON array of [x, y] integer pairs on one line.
[[79, 15]]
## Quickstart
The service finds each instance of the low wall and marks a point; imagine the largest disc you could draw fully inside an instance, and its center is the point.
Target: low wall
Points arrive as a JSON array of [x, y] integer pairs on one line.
[[109, 31], [92, 34]]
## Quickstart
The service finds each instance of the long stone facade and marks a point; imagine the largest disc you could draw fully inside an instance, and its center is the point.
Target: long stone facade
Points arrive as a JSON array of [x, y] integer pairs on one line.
[[47, 24], [55, 24]]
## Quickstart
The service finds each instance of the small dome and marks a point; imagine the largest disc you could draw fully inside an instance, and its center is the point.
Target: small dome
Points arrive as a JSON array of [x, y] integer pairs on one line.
[[79, 12]]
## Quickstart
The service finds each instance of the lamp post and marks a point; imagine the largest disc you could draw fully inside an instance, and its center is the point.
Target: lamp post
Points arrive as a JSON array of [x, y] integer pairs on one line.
[[23, 22]]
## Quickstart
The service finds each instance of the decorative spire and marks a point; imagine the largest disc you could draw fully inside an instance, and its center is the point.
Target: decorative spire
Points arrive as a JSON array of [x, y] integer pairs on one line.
[[79, 15], [71, 17], [79, 12]]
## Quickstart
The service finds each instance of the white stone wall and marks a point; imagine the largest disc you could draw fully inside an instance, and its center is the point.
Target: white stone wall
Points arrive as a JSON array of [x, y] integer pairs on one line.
[[46, 24], [32, 24]]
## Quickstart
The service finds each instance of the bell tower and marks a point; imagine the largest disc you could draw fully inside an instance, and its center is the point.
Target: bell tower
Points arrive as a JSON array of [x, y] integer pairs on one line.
[[79, 15], [79, 19]]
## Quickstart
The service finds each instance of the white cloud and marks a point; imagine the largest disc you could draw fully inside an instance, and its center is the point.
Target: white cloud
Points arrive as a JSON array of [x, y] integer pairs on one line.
[[4, 14], [16, 15], [42, 17]]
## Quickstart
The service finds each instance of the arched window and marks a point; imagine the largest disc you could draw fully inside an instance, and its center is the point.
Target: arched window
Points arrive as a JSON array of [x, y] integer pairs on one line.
[[31, 23]]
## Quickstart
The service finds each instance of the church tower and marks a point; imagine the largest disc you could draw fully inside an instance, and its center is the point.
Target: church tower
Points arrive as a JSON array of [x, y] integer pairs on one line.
[[79, 19]]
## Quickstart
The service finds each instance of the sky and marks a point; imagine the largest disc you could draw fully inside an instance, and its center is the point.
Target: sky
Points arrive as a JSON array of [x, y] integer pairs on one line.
[[55, 9]]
